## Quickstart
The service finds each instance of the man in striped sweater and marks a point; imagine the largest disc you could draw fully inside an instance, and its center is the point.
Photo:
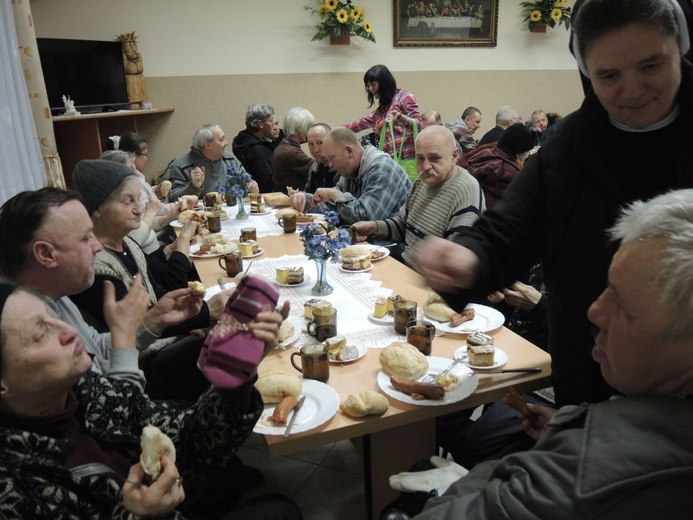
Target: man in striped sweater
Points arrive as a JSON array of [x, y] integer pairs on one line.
[[444, 199]]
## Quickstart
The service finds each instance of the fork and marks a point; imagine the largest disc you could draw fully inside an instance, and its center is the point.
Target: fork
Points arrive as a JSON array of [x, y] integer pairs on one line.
[[431, 378]]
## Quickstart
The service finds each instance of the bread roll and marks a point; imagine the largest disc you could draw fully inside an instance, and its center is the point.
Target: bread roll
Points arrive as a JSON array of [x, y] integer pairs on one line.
[[286, 330], [187, 202], [198, 288], [275, 385], [364, 403], [276, 199], [354, 251], [188, 215], [286, 211], [404, 360], [155, 444], [436, 308]]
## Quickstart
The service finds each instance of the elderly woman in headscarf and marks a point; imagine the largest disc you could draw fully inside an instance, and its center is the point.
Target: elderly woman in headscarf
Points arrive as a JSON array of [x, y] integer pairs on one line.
[[70, 438]]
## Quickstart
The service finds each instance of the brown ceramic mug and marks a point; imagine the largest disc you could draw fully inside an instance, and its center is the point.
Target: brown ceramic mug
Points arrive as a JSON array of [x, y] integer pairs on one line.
[[248, 233], [315, 363], [420, 333], [404, 312], [214, 223], [288, 222], [232, 263], [324, 324]]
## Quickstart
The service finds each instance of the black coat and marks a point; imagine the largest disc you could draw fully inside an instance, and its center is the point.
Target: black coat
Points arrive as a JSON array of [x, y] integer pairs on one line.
[[558, 210]]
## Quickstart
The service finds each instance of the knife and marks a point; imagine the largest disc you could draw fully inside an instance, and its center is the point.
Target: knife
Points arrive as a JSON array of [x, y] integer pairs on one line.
[[293, 417], [530, 369]]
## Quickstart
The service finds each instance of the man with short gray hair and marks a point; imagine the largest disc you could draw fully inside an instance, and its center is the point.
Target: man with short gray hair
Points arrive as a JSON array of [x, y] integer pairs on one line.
[[204, 167], [255, 145], [505, 117]]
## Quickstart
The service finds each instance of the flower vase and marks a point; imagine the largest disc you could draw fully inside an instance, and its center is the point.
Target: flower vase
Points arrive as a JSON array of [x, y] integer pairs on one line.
[[321, 287], [242, 214], [538, 28], [342, 39]]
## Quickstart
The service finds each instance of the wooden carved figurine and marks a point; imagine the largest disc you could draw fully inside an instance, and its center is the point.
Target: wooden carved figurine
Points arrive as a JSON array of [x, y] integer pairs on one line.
[[132, 59]]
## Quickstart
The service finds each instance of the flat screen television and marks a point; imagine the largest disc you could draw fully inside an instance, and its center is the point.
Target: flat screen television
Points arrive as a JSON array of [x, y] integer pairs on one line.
[[90, 72]]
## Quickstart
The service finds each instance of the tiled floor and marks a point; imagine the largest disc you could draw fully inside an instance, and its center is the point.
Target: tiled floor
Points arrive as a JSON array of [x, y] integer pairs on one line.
[[325, 482]]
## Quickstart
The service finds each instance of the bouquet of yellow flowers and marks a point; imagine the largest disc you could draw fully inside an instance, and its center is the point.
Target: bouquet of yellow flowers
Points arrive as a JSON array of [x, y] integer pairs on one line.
[[550, 12], [339, 18]]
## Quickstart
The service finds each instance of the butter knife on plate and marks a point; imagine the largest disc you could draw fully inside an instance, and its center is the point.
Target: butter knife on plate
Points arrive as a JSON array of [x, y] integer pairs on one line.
[[293, 417]]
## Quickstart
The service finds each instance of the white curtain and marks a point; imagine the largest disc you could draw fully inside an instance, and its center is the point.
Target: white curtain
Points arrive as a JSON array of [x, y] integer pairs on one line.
[[21, 166]]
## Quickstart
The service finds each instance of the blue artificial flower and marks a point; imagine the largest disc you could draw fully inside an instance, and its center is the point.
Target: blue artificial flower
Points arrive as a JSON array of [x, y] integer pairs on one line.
[[320, 242]]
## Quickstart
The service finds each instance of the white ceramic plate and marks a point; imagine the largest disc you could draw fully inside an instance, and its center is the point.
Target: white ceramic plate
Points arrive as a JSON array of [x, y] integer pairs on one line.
[[355, 271], [500, 358], [306, 279], [259, 252], [468, 382], [321, 403], [266, 212], [361, 348], [385, 320], [379, 249], [214, 289], [485, 319], [196, 247], [297, 333]]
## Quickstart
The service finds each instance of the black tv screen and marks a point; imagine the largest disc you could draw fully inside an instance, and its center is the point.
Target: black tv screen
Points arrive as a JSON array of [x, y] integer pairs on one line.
[[90, 72]]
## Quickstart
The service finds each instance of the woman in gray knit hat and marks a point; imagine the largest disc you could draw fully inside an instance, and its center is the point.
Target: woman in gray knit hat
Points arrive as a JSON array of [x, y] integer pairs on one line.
[[111, 195]]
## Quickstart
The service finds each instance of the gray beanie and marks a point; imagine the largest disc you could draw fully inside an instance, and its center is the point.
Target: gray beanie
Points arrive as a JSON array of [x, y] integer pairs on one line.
[[517, 139], [96, 179]]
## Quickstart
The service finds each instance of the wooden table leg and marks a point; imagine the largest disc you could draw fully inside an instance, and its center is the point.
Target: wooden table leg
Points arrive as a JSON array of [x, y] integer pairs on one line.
[[393, 451]]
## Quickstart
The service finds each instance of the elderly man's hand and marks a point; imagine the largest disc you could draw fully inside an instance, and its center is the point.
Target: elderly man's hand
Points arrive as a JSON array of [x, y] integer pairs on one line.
[[253, 187], [173, 308], [197, 176], [323, 194], [298, 201], [447, 265], [537, 425], [364, 229]]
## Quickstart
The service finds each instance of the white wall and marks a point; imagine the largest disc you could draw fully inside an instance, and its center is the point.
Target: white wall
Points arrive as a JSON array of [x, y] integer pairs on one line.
[[219, 37]]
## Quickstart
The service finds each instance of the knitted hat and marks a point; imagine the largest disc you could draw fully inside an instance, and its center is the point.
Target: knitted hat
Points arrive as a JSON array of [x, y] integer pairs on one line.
[[517, 139], [96, 179]]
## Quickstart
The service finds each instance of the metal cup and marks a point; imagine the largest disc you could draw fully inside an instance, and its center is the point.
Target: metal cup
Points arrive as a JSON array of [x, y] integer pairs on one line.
[[420, 333], [233, 263], [315, 363]]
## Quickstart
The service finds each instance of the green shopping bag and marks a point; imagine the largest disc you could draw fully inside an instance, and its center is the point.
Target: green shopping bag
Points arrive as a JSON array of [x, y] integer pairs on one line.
[[408, 165]]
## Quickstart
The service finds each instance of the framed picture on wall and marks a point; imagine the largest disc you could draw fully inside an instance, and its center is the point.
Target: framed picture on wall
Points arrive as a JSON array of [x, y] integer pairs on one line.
[[445, 23]]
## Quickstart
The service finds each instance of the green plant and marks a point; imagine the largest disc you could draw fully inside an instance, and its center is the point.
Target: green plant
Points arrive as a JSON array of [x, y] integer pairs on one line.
[[339, 18], [550, 12]]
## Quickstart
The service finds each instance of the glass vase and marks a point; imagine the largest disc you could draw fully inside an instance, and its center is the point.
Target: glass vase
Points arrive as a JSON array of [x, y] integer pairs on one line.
[[321, 287], [242, 214]]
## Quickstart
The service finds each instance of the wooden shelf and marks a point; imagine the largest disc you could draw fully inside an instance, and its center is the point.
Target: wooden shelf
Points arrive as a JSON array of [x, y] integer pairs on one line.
[[81, 137]]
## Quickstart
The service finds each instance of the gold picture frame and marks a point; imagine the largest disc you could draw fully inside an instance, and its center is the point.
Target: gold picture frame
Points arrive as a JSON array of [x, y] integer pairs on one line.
[[445, 23]]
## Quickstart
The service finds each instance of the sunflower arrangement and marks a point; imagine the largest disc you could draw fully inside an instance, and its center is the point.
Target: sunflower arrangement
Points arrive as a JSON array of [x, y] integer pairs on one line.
[[550, 12], [341, 17]]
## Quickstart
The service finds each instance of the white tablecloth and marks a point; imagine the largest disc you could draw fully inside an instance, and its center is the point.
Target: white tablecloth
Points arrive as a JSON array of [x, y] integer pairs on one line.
[[354, 297]]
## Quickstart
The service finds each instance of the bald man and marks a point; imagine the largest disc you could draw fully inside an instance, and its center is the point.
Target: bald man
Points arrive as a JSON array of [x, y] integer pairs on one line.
[[444, 199]]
